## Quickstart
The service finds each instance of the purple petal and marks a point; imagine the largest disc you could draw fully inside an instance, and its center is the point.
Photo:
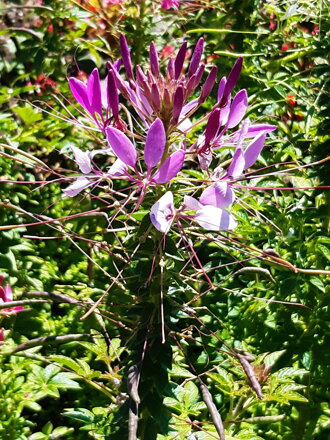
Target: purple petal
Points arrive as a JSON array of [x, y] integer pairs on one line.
[[237, 165], [169, 168], [191, 204], [237, 109], [79, 91], [94, 92], [209, 83], [179, 60], [196, 57], [215, 219], [155, 144], [213, 125], [221, 88], [253, 150], [256, 129], [154, 63], [117, 169], [177, 103], [186, 109], [232, 78], [112, 94], [225, 112], [82, 159], [122, 146], [162, 213], [219, 194], [77, 186], [125, 56]]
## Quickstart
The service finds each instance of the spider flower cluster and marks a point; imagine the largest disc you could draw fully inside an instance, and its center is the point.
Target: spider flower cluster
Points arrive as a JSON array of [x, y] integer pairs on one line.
[[155, 145]]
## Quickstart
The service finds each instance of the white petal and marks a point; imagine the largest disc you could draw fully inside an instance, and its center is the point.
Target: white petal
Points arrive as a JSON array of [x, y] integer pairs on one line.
[[215, 219], [77, 186]]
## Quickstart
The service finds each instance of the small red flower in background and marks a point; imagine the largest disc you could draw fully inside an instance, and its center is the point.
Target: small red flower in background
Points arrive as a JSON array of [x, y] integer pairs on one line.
[[167, 51], [42, 83], [6, 295], [284, 47], [291, 99], [50, 28], [316, 30], [272, 25]]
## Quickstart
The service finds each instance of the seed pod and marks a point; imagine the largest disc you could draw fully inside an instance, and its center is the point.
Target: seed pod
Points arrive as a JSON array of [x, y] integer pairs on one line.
[[133, 383], [216, 418], [256, 270], [133, 421], [249, 371]]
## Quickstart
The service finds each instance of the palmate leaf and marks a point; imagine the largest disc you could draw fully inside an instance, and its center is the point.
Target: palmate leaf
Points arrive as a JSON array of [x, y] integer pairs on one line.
[[79, 366]]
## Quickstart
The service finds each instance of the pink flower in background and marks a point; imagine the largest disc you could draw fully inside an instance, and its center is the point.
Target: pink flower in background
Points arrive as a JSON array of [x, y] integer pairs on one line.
[[6, 295], [168, 4]]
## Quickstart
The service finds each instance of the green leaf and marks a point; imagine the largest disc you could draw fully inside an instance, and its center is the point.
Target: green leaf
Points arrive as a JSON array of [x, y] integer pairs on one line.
[[81, 414]]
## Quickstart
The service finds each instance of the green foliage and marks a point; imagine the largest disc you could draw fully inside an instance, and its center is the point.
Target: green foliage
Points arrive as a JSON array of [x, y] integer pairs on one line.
[[80, 386]]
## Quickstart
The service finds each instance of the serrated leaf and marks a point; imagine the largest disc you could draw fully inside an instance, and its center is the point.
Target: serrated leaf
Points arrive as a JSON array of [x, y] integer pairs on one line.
[[64, 380]]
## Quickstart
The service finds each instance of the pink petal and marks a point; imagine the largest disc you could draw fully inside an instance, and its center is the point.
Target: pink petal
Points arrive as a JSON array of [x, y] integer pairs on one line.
[[162, 213], [94, 92], [191, 204], [77, 186], [253, 150], [219, 194], [121, 146], [215, 219], [169, 168], [237, 108], [8, 293], [155, 144], [82, 159], [237, 165], [79, 91]]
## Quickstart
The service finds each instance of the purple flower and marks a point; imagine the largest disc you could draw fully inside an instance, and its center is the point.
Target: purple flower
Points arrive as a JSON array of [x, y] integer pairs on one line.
[[165, 97], [209, 212], [154, 151]]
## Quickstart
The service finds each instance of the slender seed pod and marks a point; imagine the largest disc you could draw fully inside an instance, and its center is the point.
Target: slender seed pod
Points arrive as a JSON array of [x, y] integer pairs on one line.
[[133, 379], [133, 419], [256, 270], [249, 371], [214, 413]]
